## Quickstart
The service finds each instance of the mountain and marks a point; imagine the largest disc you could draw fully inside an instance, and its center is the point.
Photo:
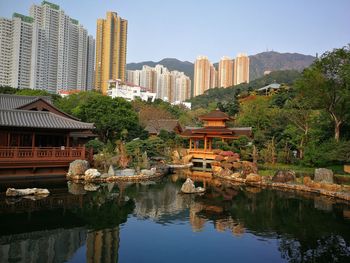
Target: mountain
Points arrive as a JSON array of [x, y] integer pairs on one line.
[[259, 63], [273, 61]]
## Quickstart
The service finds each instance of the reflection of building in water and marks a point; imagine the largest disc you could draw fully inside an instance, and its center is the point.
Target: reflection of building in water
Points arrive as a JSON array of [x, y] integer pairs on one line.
[[56, 245], [196, 221], [221, 225], [102, 245]]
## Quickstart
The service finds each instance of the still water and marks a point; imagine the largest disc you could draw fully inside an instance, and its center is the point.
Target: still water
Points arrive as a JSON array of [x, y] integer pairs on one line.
[[153, 222]]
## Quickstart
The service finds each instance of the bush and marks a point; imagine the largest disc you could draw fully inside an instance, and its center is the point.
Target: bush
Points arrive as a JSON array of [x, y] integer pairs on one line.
[[95, 144]]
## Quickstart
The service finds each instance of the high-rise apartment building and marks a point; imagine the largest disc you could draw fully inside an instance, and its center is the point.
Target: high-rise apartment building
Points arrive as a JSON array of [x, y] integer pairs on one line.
[[90, 72], [205, 75], [46, 50], [111, 39], [241, 69], [168, 85], [15, 50], [225, 72]]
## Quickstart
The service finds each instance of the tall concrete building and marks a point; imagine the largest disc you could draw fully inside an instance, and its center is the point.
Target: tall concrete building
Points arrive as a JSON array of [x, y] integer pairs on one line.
[[225, 72], [15, 51], [111, 39], [90, 65], [46, 50], [168, 85], [205, 75], [241, 69]]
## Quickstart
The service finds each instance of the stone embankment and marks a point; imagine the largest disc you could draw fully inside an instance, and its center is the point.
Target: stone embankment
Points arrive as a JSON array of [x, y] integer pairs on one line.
[[80, 171], [305, 184]]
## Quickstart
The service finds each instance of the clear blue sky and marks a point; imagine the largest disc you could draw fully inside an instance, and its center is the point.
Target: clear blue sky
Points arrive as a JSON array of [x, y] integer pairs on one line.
[[184, 29]]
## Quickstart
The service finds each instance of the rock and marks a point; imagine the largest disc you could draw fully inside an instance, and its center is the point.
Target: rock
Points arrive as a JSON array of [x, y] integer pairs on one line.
[[147, 172], [76, 189], [227, 153], [104, 176], [331, 187], [307, 180], [235, 175], [284, 176], [249, 167], [225, 173], [127, 172], [187, 158], [324, 175], [226, 165], [175, 156], [111, 171], [189, 188], [78, 167], [253, 178], [27, 191], [216, 169], [91, 187], [217, 151], [91, 174], [237, 165], [233, 158], [219, 158]]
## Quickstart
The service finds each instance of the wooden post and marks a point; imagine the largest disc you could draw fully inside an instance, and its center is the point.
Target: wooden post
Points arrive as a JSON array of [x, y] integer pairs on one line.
[[33, 139], [205, 143], [67, 140], [190, 143]]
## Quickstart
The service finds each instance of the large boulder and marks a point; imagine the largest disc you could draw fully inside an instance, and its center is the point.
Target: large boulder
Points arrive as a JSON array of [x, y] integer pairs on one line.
[[249, 167], [233, 158], [226, 165], [150, 172], [187, 158], [111, 171], [324, 175], [27, 191], [225, 173], [162, 169], [91, 174], [189, 188], [219, 158], [284, 176], [78, 167], [227, 153], [127, 172], [253, 178]]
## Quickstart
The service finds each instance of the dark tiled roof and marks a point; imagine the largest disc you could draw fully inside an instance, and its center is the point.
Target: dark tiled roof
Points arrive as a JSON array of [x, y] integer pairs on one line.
[[40, 119], [200, 131], [9, 101], [216, 114], [169, 125]]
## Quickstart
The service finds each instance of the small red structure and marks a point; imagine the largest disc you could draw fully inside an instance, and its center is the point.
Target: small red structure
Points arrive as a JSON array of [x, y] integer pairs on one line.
[[214, 127], [36, 138]]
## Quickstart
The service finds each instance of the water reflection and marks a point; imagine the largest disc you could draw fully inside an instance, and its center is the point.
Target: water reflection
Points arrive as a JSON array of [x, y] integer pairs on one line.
[[73, 224]]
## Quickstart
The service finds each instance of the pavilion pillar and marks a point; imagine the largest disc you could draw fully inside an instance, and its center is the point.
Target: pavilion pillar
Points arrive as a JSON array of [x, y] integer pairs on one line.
[[205, 143], [190, 143], [33, 139], [67, 140]]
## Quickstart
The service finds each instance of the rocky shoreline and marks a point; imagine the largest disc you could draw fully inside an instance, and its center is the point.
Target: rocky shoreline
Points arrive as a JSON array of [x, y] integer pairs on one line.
[[343, 191]]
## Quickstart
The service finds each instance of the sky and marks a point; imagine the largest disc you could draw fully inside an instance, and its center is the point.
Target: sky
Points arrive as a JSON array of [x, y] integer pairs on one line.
[[184, 29]]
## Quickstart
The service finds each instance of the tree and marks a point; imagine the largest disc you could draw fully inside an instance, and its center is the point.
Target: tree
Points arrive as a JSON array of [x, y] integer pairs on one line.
[[326, 85], [110, 116]]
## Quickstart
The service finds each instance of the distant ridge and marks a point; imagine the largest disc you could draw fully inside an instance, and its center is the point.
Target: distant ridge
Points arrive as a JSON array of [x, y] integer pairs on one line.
[[259, 63]]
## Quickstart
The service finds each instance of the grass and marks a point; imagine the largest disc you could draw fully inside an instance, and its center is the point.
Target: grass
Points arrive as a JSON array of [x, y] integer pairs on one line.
[[270, 169]]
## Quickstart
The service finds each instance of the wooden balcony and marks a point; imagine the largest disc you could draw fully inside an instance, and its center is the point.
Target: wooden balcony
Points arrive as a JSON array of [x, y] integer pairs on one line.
[[17, 157]]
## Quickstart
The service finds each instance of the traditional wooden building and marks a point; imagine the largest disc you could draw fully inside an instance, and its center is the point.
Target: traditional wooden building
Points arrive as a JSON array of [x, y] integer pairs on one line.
[[170, 125], [215, 126], [38, 138]]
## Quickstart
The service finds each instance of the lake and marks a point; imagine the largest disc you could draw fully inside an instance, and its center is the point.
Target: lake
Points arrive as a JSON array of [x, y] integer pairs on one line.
[[153, 222]]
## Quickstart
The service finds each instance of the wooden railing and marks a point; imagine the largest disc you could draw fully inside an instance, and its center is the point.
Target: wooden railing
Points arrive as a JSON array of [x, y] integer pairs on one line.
[[41, 153]]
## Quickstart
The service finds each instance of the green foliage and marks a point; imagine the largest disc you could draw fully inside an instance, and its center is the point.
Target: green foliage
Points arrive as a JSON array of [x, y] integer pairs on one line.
[[154, 146], [7, 90], [110, 116], [95, 144], [326, 86]]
